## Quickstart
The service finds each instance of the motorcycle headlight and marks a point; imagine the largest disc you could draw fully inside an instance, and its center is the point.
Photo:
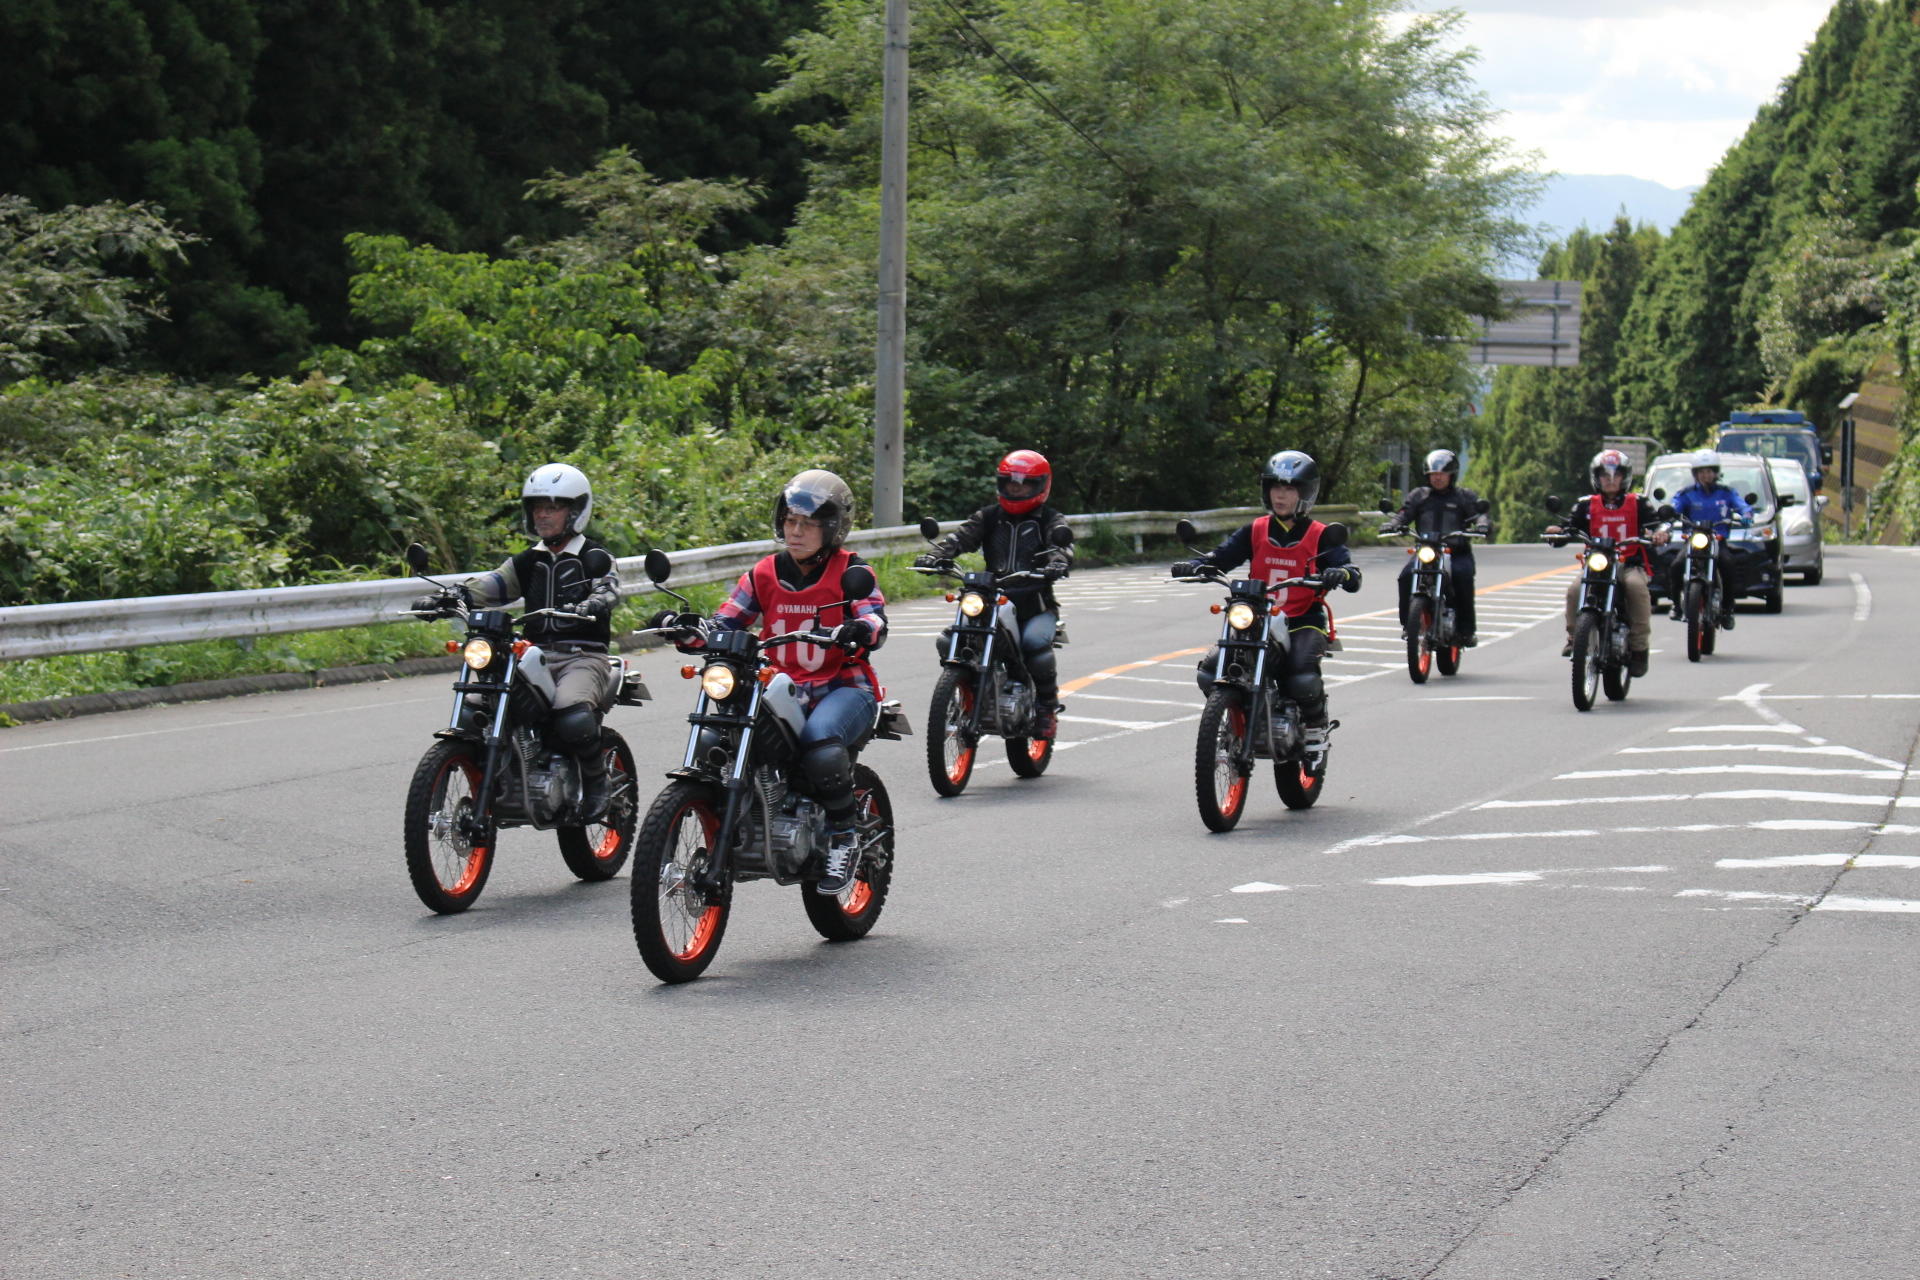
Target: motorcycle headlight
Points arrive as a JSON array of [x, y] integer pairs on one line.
[[973, 604], [478, 654], [1698, 540], [1240, 615], [1597, 561], [1426, 555], [718, 681]]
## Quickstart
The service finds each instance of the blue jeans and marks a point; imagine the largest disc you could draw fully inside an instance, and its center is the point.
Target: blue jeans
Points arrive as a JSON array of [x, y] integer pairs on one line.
[[841, 716], [1036, 643]]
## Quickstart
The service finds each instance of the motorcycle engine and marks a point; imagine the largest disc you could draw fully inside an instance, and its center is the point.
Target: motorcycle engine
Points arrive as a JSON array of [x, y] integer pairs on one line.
[[553, 786], [799, 830], [1014, 706], [1284, 734]]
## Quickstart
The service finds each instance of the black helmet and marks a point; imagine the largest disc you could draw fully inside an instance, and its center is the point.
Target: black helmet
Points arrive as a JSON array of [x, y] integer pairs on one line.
[[1290, 466], [818, 495], [1444, 460]]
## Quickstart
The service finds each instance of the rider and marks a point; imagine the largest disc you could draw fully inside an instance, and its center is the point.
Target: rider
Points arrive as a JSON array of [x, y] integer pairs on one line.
[[1441, 506], [1707, 501], [555, 504], [1613, 511], [783, 592], [1286, 544], [1017, 533]]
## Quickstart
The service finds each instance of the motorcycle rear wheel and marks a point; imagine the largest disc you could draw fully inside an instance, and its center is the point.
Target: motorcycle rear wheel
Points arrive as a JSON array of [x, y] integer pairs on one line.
[[1029, 756], [1586, 661], [598, 850], [949, 756], [1298, 787], [676, 929], [1699, 621], [1615, 680], [448, 872], [1419, 650], [1219, 781], [849, 915]]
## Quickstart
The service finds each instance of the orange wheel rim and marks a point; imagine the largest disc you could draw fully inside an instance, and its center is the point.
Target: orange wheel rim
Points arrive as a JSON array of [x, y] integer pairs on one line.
[[676, 887], [1037, 749], [465, 868], [702, 935], [1426, 659], [858, 896], [1236, 790], [609, 844], [960, 756], [470, 872]]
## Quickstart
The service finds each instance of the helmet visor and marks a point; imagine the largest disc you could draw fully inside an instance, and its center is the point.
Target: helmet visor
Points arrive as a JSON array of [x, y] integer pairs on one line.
[[1020, 485], [806, 502]]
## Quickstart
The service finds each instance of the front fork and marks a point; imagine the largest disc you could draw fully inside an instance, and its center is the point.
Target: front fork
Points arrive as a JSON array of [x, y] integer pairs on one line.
[[478, 826]]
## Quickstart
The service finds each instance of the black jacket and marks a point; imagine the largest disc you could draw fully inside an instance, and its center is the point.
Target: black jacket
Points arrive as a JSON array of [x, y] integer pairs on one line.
[[1011, 544], [1442, 511], [545, 579]]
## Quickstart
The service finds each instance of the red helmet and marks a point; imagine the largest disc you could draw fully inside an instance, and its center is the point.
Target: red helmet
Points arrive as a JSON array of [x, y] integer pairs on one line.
[[1025, 479]]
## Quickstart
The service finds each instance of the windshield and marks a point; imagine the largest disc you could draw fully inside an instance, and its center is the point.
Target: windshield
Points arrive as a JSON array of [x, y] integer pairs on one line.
[[1792, 480], [1742, 475], [1797, 445]]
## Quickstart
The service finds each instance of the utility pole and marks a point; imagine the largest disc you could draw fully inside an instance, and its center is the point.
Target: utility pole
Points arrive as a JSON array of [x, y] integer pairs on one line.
[[890, 354]]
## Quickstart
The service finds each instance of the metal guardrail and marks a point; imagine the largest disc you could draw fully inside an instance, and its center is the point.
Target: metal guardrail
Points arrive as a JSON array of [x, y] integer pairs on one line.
[[91, 626]]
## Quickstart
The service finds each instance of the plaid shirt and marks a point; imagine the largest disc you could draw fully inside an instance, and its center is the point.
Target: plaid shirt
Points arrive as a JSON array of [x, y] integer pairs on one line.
[[741, 610]]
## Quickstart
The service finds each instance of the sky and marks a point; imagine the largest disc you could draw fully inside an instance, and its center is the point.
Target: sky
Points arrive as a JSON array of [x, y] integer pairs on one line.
[[1653, 89]]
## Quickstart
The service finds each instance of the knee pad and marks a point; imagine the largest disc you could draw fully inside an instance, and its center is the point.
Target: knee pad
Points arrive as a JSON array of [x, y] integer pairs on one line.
[[828, 770], [1306, 688], [575, 729]]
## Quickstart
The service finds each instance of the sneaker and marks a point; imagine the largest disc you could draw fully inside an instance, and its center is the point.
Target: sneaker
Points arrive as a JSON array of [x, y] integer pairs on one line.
[[1315, 740], [1468, 640], [843, 848], [1566, 650], [1726, 619], [1637, 663], [1676, 613]]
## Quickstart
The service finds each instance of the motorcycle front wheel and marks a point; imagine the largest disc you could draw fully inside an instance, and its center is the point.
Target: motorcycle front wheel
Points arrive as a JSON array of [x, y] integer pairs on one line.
[[598, 850], [847, 916], [1219, 781], [448, 870], [1586, 661], [677, 930], [1419, 645], [949, 754], [1699, 621]]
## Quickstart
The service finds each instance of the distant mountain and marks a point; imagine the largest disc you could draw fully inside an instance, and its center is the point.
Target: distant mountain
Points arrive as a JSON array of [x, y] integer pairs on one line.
[[1594, 199]]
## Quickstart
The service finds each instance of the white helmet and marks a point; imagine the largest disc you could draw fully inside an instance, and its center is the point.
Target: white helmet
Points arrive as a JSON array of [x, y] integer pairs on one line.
[[561, 483], [1704, 458]]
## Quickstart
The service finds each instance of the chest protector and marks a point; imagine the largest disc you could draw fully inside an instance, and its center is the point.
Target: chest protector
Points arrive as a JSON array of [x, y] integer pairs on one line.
[[1618, 522], [784, 609], [1270, 563]]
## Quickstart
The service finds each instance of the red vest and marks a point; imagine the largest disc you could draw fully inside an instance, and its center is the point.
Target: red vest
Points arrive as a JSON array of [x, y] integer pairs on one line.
[[783, 609], [1618, 522], [1270, 563]]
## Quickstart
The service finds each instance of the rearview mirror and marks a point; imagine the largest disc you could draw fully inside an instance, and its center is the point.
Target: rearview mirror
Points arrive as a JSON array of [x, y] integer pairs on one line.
[[1062, 536], [659, 568], [1787, 500], [1185, 531], [929, 528], [1551, 502], [857, 582], [1386, 508], [598, 562], [1659, 494], [1334, 535], [1481, 507], [417, 559], [1665, 513], [1752, 498]]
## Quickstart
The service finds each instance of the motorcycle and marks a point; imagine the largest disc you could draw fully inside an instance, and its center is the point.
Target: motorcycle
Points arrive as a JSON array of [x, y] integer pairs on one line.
[[1600, 624], [1705, 604], [493, 766], [985, 686], [1430, 616], [1248, 713], [731, 811]]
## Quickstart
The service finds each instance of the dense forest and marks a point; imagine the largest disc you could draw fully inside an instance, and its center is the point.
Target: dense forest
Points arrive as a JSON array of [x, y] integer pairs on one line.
[[284, 284], [1792, 276]]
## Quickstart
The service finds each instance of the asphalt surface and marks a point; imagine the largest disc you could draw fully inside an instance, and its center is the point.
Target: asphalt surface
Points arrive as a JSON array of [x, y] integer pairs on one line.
[[1530, 993]]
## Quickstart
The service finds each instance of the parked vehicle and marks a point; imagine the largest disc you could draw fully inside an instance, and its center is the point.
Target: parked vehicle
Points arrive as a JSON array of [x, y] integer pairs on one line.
[[984, 687], [1753, 563], [1600, 652], [734, 809], [1777, 433], [1248, 714], [1430, 620], [1802, 545], [492, 766]]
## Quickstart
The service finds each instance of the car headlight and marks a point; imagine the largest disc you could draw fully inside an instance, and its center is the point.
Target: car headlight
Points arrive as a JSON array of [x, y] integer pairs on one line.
[[1699, 539], [478, 654], [717, 681], [973, 604], [1426, 555], [1765, 533], [1597, 561], [1799, 527], [1240, 615]]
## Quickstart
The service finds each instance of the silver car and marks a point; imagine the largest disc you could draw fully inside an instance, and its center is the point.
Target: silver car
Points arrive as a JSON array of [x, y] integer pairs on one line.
[[1801, 547]]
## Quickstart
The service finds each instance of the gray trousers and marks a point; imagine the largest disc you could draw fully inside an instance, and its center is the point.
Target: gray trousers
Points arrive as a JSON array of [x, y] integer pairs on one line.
[[578, 677]]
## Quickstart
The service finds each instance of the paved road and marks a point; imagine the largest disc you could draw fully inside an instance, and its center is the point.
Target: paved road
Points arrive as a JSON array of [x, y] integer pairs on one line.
[[1531, 993]]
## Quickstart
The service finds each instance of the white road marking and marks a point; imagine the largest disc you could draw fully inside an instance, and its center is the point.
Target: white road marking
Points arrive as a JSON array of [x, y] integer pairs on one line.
[[1791, 797], [1732, 728], [1824, 860], [1867, 904], [1231, 920], [1485, 697], [1744, 895], [1862, 597], [1117, 724], [1851, 753], [1114, 697], [1785, 770], [1480, 877], [274, 718], [1259, 886]]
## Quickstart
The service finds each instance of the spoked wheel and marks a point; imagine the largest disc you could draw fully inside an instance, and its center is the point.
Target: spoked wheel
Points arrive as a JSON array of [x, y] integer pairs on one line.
[[949, 754], [1299, 786], [1419, 647], [1700, 622], [598, 850], [448, 870], [849, 914], [676, 928], [1029, 756], [1586, 661], [1219, 781]]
